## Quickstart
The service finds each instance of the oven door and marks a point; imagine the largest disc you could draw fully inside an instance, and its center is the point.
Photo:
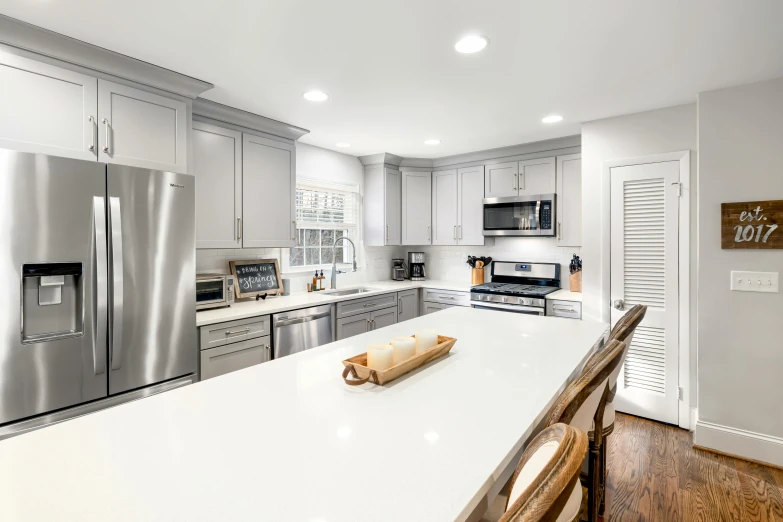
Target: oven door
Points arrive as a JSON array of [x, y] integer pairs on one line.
[[210, 293], [520, 216], [517, 309]]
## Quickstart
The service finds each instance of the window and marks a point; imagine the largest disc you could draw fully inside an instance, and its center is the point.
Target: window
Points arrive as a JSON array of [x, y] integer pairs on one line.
[[324, 213]]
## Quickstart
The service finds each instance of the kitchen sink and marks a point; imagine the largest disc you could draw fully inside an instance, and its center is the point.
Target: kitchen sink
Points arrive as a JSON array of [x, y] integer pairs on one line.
[[349, 291]]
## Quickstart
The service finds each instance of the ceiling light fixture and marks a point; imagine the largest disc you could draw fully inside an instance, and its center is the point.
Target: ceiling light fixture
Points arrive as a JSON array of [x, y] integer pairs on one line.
[[432, 142], [315, 96], [552, 119], [471, 44], [342, 144]]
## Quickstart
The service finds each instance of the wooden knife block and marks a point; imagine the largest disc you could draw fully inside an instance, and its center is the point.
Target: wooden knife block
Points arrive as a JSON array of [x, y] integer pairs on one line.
[[575, 282]]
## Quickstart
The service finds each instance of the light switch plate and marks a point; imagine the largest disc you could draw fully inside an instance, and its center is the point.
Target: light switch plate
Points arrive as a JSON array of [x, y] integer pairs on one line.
[[754, 281]]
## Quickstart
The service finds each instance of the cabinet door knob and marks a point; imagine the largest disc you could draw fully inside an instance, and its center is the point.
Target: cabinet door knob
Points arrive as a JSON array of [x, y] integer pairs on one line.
[[619, 304]]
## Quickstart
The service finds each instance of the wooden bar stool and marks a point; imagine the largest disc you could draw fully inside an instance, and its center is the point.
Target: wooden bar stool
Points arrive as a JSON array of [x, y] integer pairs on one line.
[[545, 485], [623, 331], [582, 404]]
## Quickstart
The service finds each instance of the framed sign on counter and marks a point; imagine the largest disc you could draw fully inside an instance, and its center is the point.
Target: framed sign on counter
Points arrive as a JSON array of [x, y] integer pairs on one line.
[[752, 224], [255, 277]]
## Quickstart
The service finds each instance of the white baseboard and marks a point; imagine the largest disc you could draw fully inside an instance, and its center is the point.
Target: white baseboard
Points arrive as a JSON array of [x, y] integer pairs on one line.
[[742, 443], [694, 419]]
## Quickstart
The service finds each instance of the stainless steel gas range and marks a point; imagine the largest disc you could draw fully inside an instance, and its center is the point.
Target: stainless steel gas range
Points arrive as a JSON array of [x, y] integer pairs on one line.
[[517, 287]]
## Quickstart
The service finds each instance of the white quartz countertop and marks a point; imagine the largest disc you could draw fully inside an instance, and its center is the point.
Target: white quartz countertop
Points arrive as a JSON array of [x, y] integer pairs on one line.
[[276, 304], [296, 300], [288, 440], [565, 295]]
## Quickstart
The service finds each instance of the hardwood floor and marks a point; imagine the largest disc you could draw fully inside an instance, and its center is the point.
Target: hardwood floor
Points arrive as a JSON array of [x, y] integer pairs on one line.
[[655, 474]]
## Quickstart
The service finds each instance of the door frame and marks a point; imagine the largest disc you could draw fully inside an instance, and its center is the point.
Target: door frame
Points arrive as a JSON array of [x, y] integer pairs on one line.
[[683, 268]]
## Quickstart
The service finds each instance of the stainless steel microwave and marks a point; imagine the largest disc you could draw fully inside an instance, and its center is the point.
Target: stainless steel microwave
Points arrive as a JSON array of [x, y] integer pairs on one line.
[[214, 291], [520, 216]]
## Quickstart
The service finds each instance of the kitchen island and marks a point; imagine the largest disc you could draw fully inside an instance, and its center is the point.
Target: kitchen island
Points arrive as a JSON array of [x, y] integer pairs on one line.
[[290, 441]]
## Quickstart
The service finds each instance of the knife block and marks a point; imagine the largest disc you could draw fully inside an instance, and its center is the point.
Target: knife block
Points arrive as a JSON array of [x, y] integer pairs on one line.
[[477, 276], [575, 282]]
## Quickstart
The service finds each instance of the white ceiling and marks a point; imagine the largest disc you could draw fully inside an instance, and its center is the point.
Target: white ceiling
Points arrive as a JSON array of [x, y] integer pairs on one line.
[[395, 80]]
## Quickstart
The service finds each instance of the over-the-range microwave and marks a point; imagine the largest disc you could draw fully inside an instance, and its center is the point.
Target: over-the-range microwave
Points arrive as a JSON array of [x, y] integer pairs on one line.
[[520, 216]]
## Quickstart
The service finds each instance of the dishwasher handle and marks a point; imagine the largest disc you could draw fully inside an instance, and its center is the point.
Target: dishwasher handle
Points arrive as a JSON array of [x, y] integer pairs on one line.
[[285, 321]]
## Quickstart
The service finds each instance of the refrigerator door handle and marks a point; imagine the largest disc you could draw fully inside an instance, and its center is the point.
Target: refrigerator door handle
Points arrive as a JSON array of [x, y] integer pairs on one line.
[[116, 275], [101, 294]]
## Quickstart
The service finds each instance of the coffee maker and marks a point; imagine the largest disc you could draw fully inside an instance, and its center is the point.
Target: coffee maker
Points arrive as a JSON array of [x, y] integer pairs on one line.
[[416, 266], [398, 270]]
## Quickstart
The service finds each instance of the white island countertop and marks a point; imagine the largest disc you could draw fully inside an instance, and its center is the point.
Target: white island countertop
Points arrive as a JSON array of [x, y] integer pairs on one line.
[[288, 440], [297, 300]]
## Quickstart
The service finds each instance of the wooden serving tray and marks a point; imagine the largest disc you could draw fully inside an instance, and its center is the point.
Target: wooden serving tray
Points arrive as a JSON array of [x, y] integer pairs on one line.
[[357, 368]]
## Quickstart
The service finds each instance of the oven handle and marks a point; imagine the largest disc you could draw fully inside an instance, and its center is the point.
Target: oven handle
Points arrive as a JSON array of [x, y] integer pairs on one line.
[[510, 308]]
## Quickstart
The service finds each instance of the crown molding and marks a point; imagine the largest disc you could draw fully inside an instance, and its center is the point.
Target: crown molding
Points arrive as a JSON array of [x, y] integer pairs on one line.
[[223, 113], [506, 152], [381, 157], [22, 35]]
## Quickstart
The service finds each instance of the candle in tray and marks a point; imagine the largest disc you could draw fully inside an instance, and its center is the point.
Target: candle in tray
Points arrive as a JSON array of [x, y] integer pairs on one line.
[[426, 339], [404, 348], [380, 357]]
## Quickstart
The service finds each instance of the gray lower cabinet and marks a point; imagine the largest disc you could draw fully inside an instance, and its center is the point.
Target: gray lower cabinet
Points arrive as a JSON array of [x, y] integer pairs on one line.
[[568, 309], [431, 308], [236, 356], [407, 305], [365, 322], [353, 325], [382, 318]]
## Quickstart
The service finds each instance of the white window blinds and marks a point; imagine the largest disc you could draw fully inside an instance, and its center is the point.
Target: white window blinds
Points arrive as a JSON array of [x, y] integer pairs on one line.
[[326, 206]]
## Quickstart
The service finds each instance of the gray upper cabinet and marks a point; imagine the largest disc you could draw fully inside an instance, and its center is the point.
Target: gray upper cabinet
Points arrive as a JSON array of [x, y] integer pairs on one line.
[[501, 180], [268, 192], [217, 166], [537, 177], [470, 206], [416, 208], [47, 109], [444, 207], [569, 200], [382, 205], [141, 129]]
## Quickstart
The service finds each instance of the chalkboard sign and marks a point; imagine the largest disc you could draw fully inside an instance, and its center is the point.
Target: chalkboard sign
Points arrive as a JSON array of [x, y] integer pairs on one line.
[[752, 224], [256, 277]]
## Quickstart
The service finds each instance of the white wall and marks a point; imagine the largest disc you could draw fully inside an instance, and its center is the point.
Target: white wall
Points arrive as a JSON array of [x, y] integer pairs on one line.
[[740, 334], [642, 134], [313, 163]]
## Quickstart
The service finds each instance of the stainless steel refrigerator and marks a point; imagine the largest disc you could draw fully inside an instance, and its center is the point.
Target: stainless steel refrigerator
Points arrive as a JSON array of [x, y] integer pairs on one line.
[[97, 286]]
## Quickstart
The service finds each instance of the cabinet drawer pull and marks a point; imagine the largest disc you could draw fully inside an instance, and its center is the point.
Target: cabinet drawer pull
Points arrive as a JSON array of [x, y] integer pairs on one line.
[[106, 135], [556, 309], [369, 305], [232, 332]]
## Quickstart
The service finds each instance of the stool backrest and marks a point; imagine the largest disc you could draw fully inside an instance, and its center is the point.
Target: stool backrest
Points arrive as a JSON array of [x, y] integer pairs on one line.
[[546, 475]]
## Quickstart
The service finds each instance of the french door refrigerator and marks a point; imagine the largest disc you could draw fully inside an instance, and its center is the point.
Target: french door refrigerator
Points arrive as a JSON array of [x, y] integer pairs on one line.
[[97, 286]]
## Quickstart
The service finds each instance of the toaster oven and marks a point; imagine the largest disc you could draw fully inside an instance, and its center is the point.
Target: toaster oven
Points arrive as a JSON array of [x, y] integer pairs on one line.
[[214, 291]]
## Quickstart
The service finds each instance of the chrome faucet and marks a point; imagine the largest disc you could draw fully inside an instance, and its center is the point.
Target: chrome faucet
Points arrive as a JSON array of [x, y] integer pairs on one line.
[[334, 261]]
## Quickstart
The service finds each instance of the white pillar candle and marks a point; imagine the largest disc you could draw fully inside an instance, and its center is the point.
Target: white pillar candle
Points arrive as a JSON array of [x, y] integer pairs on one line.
[[380, 357], [404, 348], [426, 339]]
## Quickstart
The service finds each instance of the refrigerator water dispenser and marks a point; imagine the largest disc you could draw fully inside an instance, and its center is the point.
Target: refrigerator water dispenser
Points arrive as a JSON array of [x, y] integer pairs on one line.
[[52, 301]]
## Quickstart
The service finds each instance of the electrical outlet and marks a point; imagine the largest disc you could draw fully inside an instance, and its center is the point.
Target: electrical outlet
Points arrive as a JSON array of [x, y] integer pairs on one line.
[[754, 281]]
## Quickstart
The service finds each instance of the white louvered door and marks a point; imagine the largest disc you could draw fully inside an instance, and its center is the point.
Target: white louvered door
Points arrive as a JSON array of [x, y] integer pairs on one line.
[[644, 261]]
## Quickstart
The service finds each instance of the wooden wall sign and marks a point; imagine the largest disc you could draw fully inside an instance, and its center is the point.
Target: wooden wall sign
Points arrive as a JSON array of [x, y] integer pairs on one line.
[[752, 224], [255, 277]]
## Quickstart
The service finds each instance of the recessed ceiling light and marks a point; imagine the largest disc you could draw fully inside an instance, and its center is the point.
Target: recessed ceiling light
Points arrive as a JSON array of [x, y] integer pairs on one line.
[[315, 96], [432, 142], [343, 144], [552, 119], [471, 44]]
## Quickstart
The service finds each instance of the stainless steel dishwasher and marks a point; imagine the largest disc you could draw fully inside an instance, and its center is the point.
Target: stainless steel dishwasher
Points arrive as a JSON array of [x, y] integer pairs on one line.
[[300, 330]]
